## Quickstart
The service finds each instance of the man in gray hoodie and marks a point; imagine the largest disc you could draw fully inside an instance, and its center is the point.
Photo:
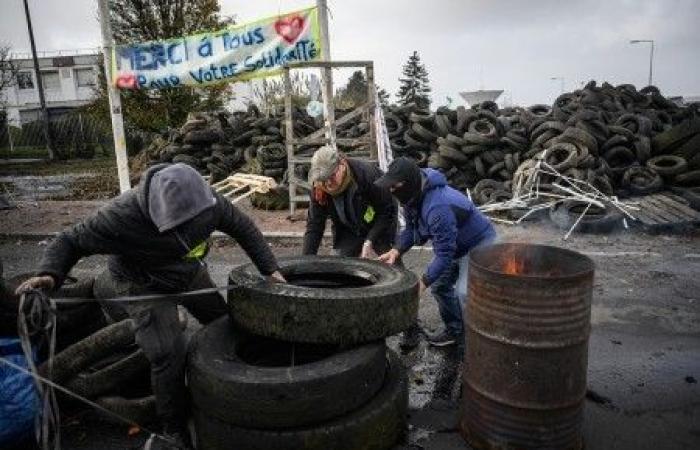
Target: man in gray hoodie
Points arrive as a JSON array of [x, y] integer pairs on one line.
[[156, 236]]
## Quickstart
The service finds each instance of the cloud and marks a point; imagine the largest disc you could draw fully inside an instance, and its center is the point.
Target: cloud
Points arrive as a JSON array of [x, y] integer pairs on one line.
[[500, 44]]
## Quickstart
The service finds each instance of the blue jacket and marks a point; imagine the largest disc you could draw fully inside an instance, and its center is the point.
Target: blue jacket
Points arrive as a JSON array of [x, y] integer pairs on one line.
[[448, 218]]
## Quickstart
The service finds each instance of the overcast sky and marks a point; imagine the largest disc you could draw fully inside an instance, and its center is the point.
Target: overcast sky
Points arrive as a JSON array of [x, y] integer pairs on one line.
[[513, 45]]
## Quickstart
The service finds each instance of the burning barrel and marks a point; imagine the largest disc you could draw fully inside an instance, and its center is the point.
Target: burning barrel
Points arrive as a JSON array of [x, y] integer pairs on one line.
[[527, 324]]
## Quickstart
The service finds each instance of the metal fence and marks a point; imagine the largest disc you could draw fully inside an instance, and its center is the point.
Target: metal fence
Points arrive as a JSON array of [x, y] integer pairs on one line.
[[74, 135]]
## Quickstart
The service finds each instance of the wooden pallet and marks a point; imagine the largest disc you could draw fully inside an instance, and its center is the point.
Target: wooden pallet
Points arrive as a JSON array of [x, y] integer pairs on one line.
[[664, 209], [241, 185]]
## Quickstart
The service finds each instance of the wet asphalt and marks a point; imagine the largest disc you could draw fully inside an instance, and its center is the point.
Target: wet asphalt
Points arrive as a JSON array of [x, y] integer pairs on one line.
[[644, 348]]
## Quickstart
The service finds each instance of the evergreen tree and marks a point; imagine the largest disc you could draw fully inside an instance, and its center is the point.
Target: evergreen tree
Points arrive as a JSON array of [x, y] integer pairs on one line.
[[383, 97], [354, 93], [136, 21], [414, 86]]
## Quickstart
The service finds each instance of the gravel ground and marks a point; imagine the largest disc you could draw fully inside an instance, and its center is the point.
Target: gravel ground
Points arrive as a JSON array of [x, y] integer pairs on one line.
[[644, 354]]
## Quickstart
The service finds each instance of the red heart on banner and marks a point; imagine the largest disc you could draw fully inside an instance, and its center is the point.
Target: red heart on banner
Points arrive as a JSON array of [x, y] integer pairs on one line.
[[126, 81], [290, 28]]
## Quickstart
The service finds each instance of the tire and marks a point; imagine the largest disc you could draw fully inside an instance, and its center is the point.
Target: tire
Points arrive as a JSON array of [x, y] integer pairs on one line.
[[79, 356], [109, 378], [377, 425], [269, 395], [689, 179], [562, 156], [203, 137], [642, 180], [596, 220], [139, 410], [667, 165], [452, 154], [313, 307]]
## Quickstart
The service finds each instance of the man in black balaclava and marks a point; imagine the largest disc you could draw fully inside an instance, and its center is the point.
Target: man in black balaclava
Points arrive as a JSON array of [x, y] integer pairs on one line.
[[434, 211], [156, 236]]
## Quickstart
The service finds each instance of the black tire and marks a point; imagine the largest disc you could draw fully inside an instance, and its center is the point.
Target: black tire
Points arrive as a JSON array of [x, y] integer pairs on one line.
[[596, 220], [667, 165], [203, 137], [689, 179], [270, 394], [562, 156], [80, 355], [109, 378], [642, 180], [140, 410], [328, 299], [377, 425]]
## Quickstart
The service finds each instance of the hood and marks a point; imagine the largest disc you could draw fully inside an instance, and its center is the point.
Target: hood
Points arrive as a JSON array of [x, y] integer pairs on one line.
[[433, 179], [172, 194]]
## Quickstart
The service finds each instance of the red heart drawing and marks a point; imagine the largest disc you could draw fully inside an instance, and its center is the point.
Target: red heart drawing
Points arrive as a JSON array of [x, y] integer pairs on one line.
[[290, 28], [126, 81]]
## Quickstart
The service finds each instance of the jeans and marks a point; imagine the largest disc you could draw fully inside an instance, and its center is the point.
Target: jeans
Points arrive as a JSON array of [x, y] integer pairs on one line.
[[159, 334], [450, 290]]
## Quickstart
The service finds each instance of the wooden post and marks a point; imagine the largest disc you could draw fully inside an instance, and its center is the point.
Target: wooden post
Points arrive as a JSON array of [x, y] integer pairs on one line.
[[289, 138], [371, 105]]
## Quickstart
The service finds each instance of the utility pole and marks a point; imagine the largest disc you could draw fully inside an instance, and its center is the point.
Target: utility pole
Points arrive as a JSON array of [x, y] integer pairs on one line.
[[39, 85], [115, 102], [327, 74], [651, 54]]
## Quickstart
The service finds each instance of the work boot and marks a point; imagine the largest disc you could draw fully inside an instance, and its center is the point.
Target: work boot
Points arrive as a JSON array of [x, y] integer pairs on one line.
[[410, 338], [172, 438], [444, 339]]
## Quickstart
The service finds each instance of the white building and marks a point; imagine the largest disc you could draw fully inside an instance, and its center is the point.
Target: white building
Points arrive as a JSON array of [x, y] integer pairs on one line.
[[68, 77]]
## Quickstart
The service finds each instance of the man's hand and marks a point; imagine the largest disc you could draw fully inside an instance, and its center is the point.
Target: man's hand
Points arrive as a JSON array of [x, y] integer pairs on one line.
[[277, 277], [43, 282], [389, 257], [366, 250]]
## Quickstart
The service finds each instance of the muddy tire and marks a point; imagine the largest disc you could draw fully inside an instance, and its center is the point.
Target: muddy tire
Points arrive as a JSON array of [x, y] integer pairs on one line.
[[247, 380], [81, 355], [667, 165], [377, 425], [596, 220], [328, 300], [91, 384], [140, 410]]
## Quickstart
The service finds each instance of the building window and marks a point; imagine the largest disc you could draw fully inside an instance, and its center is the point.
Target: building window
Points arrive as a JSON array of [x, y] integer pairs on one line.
[[85, 77], [24, 80], [50, 79]]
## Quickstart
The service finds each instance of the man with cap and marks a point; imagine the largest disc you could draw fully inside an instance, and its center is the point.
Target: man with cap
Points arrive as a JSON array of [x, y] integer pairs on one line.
[[363, 215], [156, 236], [435, 211]]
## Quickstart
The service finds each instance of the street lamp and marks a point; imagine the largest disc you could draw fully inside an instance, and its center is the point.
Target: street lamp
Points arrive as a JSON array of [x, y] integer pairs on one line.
[[561, 83], [651, 54]]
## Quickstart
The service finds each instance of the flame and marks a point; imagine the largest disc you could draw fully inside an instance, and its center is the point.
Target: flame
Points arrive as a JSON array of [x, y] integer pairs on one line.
[[513, 265]]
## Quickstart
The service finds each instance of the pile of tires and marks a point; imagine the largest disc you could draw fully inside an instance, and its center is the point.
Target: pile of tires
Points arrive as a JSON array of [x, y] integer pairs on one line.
[[604, 135], [304, 365]]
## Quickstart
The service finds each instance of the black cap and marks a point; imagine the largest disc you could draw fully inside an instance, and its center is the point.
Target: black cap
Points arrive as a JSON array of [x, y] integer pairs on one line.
[[400, 169]]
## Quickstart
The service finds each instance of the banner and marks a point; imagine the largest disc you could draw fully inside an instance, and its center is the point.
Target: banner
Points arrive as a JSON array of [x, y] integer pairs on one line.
[[236, 53]]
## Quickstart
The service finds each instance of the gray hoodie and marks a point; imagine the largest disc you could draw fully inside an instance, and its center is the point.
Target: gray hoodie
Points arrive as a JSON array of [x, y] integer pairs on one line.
[[148, 230]]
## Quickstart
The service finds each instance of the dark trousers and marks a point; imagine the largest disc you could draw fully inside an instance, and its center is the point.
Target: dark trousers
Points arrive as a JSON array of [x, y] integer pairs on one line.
[[350, 244], [160, 335]]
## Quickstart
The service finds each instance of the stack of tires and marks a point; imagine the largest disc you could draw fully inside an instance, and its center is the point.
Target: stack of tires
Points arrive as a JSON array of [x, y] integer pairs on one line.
[[304, 365]]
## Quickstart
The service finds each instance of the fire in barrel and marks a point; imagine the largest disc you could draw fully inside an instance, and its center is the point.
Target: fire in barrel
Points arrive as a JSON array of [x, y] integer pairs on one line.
[[528, 322]]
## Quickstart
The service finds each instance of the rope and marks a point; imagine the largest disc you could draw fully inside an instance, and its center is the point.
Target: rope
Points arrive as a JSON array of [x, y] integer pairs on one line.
[[36, 321]]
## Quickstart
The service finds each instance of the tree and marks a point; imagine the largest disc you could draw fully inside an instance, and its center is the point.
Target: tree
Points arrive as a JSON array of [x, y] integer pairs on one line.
[[146, 20], [414, 86], [354, 93], [8, 71], [383, 97]]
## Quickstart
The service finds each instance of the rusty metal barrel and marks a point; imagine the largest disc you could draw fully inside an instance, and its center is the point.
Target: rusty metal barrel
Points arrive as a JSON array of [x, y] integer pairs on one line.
[[527, 326]]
